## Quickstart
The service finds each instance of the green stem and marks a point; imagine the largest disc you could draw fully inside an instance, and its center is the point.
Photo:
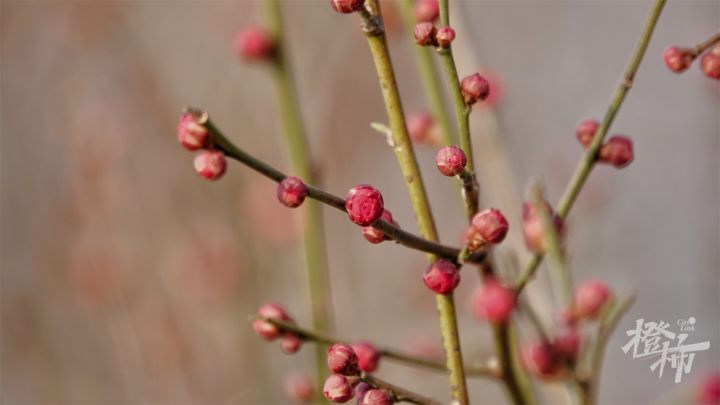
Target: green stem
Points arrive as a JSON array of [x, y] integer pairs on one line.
[[517, 389], [316, 268], [589, 159], [411, 173]]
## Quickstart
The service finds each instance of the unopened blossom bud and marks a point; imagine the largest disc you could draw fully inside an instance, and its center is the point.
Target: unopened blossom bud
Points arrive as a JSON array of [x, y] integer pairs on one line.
[[210, 164], [419, 127], [678, 59], [254, 44], [367, 354], [364, 204], [493, 302], [274, 311], [375, 236], [341, 359], [375, 397], [338, 389], [298, 387], [347, 6], [474, 88], [586, 132], [424, 34], [444, 36], [590, 298], [488, 226], [450, 160], [567, 343], [291, 192], [442, 276], [426, 10], [290, 343], [266, 330], [191, 134], [617, 151], [534, 229], [541, 360], [710, 63]]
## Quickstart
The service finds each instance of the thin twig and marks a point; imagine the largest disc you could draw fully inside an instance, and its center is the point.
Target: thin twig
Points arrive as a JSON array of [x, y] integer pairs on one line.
[[705, 45]]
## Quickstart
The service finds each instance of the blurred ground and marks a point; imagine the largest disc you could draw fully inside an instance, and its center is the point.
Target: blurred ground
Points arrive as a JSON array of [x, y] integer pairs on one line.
[[127, 279]]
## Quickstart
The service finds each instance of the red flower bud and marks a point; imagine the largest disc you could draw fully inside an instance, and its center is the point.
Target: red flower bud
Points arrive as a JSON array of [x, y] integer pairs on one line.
[[341, 359], [618, 151], [678, 59], [420, 125], [266, 330], [586, 132], [210, 164], [567, 343], [710, 63], [347, 6], [474, 88], [291, 192], [426, 10], [191, 134], [364, 204], [442, 276], [444, 36], [488, 226], [337, 389], [254, 44], [424, 34], [373, 235], [533, 229], [368, 356], [590, 298], [450, 160], [298, 387], [493, 302], [375, 397], [290, 343], [542, 360]]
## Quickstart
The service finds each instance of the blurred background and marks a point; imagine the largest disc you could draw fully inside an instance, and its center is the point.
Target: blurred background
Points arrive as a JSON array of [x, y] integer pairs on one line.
[[127, 279]]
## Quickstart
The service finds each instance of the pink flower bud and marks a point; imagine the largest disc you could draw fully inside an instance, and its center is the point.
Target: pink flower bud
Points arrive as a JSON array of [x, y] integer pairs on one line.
[[489, 226], [710, 63], [590, 298], [541, 360], [444, 36], [474, 88], [678, 59], [291, 192], [347, 6], [586, 132], [424, 34], [368, 356], [210, 164], [191, 134], [533, 229], [298, 387], [360, 391], [618, 151], [375, 397], [337, 389], [266, 330], [567, 343], [493, 302], [426, 10], [450, 160], [420, 125], [373, 235], [290, 343], [364, 204], [442, 276], [341, 359], [254, 44], [274, 311], [709, 390]]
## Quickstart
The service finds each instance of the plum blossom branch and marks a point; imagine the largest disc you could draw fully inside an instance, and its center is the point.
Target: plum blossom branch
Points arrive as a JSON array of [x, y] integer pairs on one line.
[[705, 45]]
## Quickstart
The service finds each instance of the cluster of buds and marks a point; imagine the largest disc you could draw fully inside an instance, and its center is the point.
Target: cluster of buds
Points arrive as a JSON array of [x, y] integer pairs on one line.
[[617, 151], [426, 10], [534, 229], [426, 34], [493, 302], [290, 343], [346, 363], [193, 135], [487, 227], [255, 44], [679, 60], [548, 360]]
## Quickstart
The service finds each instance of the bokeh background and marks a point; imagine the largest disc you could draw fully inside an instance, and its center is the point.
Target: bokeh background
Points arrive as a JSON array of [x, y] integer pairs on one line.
[[128, 279]]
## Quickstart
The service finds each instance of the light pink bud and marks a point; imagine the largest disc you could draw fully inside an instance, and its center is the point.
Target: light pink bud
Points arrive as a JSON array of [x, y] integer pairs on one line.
[[210, 164], [710, 63], [426, 10], [590, 298], [678, 59], [368, 356], [290, 343], [586, 131], [493, 302], [444, 36], [489, 226], [375, 397], [254, 44], [298, 387], [191, 134], [341, 359], [337, 389]]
